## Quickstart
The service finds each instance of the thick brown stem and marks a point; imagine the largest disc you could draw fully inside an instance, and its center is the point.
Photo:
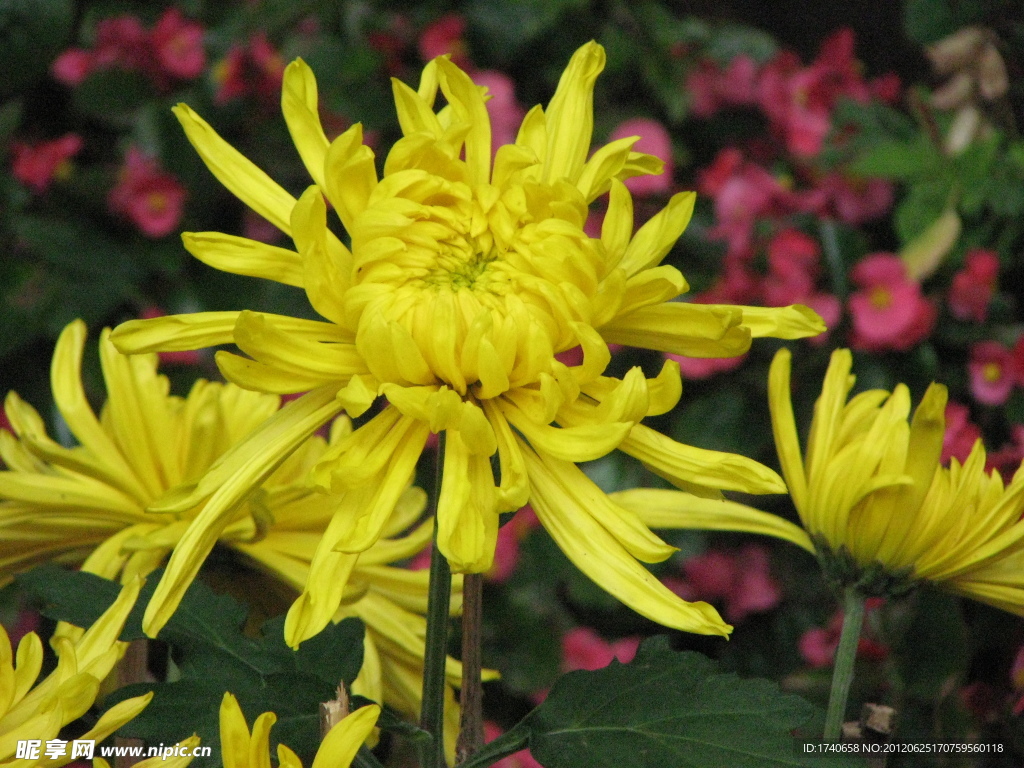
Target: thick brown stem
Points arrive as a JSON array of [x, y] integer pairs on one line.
[[471, 733]]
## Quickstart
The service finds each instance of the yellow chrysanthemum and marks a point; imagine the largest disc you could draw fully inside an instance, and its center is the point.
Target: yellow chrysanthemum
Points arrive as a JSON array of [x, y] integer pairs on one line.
[[241, 748], [871, 489], [84, 659], [88, 505], [463, 281], [881, 510]]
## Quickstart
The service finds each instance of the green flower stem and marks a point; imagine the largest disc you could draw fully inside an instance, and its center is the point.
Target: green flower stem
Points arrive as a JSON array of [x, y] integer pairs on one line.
[[438, 603], [471, 731], [846, 655]]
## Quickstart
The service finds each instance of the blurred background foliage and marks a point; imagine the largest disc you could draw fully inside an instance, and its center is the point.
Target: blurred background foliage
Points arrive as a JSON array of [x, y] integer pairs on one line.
[[858, 158]]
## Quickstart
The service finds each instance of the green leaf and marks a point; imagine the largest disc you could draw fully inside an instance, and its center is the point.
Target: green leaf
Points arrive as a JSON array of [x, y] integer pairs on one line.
[[32, 32], [509, 27], [732, 40], [667, 709], [894, 159], [112, 96], [215, 656], [927, 21], [10, 117], [923, 205]]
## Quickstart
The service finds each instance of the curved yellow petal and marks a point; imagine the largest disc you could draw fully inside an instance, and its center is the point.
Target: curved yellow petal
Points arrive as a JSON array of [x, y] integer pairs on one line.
[[603, 559], [661, 508], [175, 333], [300, 106], [242, 256], [341, 743], [570, 116], [655, 238], [682, 328], [236, 172]]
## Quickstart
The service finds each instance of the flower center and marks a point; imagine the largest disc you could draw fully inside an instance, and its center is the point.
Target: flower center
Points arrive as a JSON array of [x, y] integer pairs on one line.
[[486, 284], [992, 372], [881, 297]]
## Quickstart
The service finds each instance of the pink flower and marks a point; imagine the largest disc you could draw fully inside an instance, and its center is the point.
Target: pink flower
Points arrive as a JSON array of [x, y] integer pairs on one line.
[[889, 311], [121, 41], [583, 648], [961, 433], [186, 357], [856, 201], [72, 67], [521, 759], [742, 580], [37, 165], [818, 645], [150, 198], [255, 227], [445, 36], [255, 68], [738, 83], [792, 268], [973, 286], [178, 45], [654, 140], [993, 372]]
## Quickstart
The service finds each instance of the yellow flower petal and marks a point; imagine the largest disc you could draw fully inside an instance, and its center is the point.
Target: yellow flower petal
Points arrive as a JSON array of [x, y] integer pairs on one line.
[[231, 480], [325, 268], [300, 106], [236, 172], [341, 743], [659, 508], [655, 238], [175, 333], [694, 330], [241, 256], [678, 462], [570, 116], [597, 554]]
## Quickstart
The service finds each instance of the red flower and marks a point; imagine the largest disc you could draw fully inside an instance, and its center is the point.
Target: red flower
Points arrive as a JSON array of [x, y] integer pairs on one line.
[[150, 198], [818, 645], [253, 69], [889, 312], [583, 648], [742, 580], [37, 165], [973, 286], [445, 36], [178, 45]]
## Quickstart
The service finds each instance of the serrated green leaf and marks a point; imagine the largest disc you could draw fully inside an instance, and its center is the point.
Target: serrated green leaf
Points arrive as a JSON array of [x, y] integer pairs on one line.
[[667, 709], [214, 656]]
